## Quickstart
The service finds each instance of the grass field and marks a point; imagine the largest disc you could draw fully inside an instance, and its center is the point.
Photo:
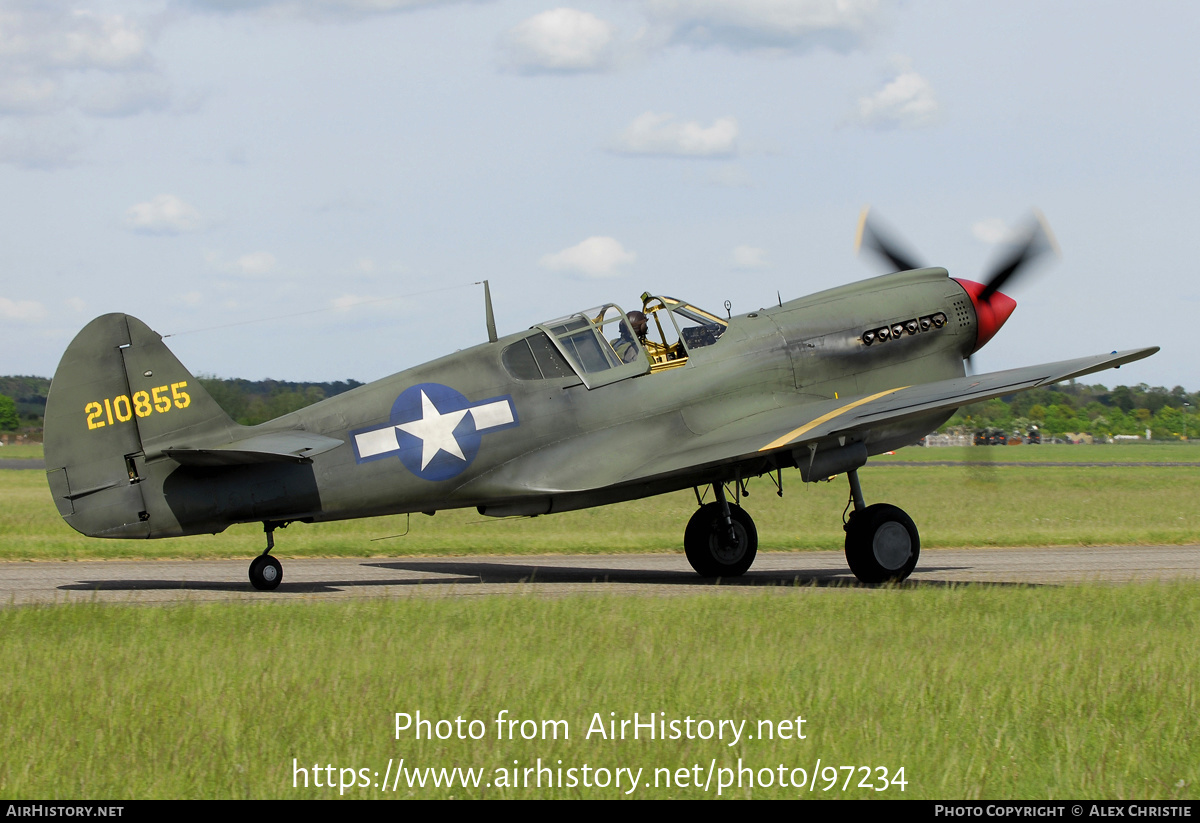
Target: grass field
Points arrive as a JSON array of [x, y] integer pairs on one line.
[[977, 692], [1051, 453], [975, 504], [24, 451]]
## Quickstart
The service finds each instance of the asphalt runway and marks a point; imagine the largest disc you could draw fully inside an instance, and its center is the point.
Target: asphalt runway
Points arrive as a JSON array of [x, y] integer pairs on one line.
[[658, 575]]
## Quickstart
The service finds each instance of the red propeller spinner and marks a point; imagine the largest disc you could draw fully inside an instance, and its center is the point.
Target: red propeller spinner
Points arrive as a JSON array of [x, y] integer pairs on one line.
[[991, 312]]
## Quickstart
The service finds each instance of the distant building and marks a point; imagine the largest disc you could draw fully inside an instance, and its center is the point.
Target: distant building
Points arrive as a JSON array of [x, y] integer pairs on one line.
[[948, 440]]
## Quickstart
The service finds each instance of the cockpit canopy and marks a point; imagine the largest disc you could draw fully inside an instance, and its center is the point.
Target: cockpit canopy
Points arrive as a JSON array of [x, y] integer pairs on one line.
[[677, 329], [601, 346]]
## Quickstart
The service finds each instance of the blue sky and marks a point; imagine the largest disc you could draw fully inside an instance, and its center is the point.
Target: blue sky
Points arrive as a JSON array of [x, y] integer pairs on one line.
[[308, 190]]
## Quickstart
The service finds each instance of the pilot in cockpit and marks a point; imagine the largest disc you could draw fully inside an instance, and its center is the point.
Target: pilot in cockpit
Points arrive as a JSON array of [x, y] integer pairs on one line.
[[625, 347]]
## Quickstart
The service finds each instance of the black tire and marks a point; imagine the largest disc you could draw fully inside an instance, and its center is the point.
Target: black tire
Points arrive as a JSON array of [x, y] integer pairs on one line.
[[706, 541], [882, 544], [266, 573]]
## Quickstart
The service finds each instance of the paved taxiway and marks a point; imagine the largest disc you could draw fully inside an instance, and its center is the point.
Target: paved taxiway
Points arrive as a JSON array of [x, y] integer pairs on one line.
[[172, 581]]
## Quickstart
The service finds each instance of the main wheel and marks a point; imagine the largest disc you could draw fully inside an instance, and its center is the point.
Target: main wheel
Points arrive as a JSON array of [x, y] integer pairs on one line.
[[882, 544], [708, 545], [266, 573]]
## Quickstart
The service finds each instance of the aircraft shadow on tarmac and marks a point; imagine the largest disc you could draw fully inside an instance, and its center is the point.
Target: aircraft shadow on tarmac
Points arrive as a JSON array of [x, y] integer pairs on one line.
[[491, 572], [467, 572], [323, 587], [474, 572]]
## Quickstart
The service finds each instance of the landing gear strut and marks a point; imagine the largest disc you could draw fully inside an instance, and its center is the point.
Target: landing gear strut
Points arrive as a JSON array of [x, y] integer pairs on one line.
[[882, 543], [266, 573], [720, 539]]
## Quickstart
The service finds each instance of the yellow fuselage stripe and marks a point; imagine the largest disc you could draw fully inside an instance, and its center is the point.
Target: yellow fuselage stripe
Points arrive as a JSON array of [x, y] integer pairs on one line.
[[795, 433]]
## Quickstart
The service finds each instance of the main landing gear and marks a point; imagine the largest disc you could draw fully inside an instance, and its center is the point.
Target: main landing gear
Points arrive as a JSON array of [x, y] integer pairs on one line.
[[720, 539], [266, 573], [882, 544]]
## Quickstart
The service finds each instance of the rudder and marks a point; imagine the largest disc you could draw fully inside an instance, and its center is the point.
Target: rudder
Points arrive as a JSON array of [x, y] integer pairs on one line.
[[118, 398]]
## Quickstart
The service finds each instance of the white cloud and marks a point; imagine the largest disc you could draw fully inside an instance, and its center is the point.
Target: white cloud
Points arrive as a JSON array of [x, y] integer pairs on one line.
[[76, 304], [560, 40], [594, 257], [53, 36], [795, 25], [58, 62], [750, 257], [21, 311], [993, 230], [663, 134], [907, 101], [319, 8], [165, 214], [98, 41], [256, 264]]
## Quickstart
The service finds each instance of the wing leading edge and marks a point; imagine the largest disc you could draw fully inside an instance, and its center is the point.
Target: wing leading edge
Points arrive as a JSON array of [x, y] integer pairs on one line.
[[900, 403], [793, 426]]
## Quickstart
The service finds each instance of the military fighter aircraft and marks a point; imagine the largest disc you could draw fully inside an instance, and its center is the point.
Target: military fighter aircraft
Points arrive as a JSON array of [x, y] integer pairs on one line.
[[576, 412]]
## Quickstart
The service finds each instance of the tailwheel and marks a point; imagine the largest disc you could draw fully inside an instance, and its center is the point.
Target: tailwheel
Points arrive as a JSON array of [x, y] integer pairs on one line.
[[266, 573], [717, 547], [882, 544]]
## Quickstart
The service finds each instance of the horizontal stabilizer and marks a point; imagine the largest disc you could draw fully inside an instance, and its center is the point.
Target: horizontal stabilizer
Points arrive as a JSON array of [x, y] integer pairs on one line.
[[276, 447]]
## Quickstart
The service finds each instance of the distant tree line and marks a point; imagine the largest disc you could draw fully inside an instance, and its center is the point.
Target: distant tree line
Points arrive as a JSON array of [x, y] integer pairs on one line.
[[1095, 410], [9, 419], [28, 395], [249, 402]]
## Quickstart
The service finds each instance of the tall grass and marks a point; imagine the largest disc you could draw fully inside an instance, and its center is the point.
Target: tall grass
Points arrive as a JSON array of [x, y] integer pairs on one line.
[[977, 691]]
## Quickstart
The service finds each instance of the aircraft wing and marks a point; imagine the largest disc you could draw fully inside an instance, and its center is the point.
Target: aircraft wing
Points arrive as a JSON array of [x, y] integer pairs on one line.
[[792, 426], [664, 447], [910, 401]]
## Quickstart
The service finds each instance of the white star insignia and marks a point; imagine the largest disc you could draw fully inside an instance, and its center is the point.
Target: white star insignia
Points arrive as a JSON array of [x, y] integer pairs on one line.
[[435, 430]]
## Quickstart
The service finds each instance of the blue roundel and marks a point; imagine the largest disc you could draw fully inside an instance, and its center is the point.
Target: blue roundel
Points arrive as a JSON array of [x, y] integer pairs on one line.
[[438, 431]]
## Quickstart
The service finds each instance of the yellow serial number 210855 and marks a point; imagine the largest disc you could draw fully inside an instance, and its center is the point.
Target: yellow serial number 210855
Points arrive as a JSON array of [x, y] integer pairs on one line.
[[121, 409]]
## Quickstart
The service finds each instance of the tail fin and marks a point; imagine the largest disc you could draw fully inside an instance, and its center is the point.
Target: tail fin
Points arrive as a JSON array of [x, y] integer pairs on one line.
[[118, 398]]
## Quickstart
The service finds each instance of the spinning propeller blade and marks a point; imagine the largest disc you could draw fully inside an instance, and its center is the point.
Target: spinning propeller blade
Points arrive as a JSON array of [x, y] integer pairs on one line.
[[1036, 241], [992, 306], [872, 237]]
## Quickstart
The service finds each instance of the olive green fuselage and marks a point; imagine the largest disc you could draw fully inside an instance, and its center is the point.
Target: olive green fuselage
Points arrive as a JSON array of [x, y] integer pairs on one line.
[[544, 444]]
